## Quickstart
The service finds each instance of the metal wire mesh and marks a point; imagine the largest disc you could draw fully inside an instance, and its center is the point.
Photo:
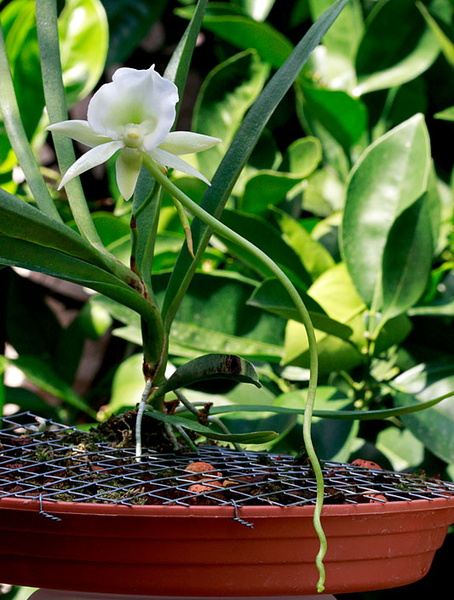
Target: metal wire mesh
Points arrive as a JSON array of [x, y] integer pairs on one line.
[[41, 460]]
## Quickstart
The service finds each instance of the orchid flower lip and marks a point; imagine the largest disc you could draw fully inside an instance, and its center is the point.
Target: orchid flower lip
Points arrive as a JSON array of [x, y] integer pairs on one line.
[[132, 116]]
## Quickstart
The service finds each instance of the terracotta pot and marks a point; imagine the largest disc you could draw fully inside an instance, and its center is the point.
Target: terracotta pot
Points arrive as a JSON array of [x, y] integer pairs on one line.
[[201, 551]]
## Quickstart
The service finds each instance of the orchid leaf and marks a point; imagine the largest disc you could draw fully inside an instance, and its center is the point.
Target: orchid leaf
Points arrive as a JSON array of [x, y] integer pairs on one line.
[[22, 221], [208, 367], [342, 415], [256, 437]]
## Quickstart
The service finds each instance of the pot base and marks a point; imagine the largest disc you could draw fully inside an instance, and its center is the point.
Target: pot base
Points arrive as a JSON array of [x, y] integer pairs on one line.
[[67, 595], [201, 551]]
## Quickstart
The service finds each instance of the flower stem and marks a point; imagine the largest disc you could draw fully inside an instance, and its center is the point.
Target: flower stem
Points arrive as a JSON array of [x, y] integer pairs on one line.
[[227, 233]]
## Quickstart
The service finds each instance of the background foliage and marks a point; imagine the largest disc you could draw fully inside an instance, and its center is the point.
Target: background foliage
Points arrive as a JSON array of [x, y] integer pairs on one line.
[[349, 190]]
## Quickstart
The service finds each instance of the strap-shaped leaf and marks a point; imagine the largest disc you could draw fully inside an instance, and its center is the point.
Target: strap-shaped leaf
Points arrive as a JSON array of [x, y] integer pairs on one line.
[[256, 437], [20, 220], [338, 415], [211, 366]]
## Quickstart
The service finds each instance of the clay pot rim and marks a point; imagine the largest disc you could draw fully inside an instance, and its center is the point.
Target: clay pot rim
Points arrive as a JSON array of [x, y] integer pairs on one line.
[[226, 511]]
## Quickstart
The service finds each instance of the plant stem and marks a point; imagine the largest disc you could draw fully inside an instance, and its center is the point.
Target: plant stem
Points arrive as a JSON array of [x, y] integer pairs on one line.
[[227, 233], [19, 141]]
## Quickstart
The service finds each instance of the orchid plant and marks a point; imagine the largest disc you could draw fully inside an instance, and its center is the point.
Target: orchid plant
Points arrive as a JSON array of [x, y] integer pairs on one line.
[[131, 120]]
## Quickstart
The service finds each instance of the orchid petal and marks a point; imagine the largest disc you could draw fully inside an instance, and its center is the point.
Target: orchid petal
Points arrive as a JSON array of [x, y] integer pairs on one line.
[[170, 160], [128, 167], [90, 159], [137, 97], [186, 142], [79, 131]]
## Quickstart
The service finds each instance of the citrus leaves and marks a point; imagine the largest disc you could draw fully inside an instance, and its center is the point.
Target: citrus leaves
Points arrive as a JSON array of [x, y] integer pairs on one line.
[[391, 220]]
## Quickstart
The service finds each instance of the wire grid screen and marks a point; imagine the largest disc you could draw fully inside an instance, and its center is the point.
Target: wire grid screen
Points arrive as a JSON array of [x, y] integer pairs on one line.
[[36, 464]]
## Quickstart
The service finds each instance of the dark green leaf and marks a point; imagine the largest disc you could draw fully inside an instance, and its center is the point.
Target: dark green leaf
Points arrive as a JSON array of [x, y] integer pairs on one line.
[[245, 33], [257, 437], [211, 366], [129, 22], [343, 117], [407, 259], [397, 47], [224, 98]]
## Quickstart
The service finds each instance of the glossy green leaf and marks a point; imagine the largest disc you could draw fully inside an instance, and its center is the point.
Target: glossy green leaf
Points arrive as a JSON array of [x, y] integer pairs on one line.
[[266, 189], [224, 98], [407, 259], [127, 385], [343, 117], [208, 367], [267, 238], [303, 156], [256, 9], [434, 426], [397, 46], [272, 297], [244, 33], [401, 447], [188, 339], [256, 437], [390, 176], [84, 39]]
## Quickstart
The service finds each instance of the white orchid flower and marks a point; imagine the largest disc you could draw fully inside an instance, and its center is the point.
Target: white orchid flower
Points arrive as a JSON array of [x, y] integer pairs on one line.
[[133, 115]]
